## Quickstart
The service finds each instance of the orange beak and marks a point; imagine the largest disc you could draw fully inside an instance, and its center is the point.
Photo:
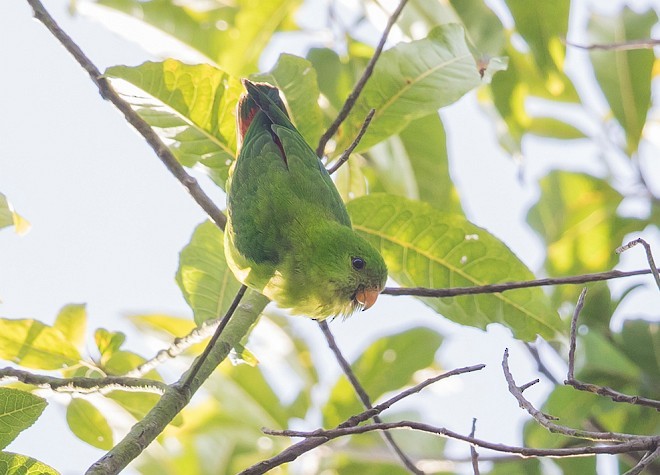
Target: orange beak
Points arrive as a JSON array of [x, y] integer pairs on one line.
[[367, 297]]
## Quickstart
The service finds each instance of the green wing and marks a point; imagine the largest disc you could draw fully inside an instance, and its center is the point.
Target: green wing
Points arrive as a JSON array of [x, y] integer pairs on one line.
[[277, 183], [309, 178]]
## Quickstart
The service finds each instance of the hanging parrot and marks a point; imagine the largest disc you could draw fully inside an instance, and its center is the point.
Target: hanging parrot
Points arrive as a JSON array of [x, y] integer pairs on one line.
[[288, 233]]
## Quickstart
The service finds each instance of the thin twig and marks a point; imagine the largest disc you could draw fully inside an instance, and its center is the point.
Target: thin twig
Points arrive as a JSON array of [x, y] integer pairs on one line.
[[296, 450], [593, 388], [644, 462], [495, 288], [573, 339], [546, 421], [178, 346], [107, 92], [355, 93], [540, 365], [84, 385], [347, 153], [634, 445], [214, 339], [474, 456], [649, 256], [623, 46], [363, 396]]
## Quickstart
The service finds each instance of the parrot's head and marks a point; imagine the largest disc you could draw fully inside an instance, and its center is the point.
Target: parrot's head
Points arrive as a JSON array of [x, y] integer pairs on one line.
[[354, 272]]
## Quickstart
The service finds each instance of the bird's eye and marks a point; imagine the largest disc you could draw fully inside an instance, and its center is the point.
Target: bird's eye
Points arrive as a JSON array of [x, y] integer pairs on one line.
[[358, 263]]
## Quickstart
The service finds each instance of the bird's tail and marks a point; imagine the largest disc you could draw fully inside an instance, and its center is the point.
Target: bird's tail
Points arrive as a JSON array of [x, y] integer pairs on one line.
[[260, 96]]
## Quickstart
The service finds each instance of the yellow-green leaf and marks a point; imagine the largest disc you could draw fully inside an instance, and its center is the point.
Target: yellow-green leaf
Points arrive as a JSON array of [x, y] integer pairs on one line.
[[88, 424], [207, 284], [72, 323], [424, 247], [18, 411], [33, 344], [624, 76], [15, 464], [410, 81], [576, 215], [9, 217], [191, 107]]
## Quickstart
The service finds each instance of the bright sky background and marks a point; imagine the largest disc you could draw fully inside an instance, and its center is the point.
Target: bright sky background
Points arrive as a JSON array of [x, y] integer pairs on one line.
[[109, 220]]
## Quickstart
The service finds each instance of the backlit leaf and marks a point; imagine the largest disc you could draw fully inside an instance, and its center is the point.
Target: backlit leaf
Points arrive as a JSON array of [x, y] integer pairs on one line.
[[15, 464], [88, 424], [624, 76], [207, 284], [424, 247], [576, 216], [32, 344], [18, 411], [192, 108], [410, 81], [230, 34], [9, 217], [72, 322]]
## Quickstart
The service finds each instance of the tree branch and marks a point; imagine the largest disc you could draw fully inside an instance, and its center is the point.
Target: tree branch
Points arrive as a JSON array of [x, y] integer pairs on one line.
[[347, 153], [293, 452], [495, 288], [644, 462], [84, 385], [363, 396], [546, 421], [474, 456], [649, 256], [355, 93], [593, 388], [623, 46], [634, 445], [132, 117]]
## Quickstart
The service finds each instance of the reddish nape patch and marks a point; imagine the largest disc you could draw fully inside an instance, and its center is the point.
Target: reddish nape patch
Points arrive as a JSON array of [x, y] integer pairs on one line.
[[247, 109]]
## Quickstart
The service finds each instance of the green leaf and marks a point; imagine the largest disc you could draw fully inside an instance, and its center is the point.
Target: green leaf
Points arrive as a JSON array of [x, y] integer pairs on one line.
[[484, 28], [88, 424], [543, 25], [72, 323], [138, 404], [602, 361], [295, 77], [624, 76], [424, 247], [387, 365], [410, 81], [334, 76], [18, 411], [108, 342], [350, 179], [232, 35], [9, 217], [122, 361], [207, 284], [425, 143], [553, 128], [516, 467], [167, 327], [33, 344], [576, 215], [15, 464], [640, 340], [192, 108]]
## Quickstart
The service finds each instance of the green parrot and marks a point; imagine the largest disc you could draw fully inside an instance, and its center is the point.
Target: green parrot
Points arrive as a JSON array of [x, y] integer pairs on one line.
[[288, 233]]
